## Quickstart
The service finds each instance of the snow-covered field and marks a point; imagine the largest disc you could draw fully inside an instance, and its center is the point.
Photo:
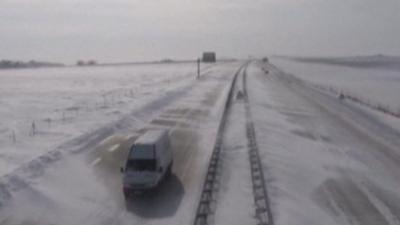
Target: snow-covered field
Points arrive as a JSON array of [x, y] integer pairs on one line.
[[374, 79], [42, 108]]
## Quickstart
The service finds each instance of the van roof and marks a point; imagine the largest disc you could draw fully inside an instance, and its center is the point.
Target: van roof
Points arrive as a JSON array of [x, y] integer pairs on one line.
[[151, 136]]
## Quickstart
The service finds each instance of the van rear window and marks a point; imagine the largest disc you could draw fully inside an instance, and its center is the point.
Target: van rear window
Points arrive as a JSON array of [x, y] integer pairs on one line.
[[142, 152]]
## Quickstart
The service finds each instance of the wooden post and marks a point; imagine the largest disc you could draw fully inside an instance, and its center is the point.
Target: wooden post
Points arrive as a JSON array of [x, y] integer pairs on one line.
[[33, 128], [198, 68], [14, 138]]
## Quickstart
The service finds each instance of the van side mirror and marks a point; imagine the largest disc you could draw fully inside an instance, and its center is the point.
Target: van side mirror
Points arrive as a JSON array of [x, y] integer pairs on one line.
[[121, 169]]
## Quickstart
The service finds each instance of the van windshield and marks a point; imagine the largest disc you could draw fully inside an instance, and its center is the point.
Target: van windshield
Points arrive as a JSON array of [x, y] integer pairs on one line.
[[141, 165]]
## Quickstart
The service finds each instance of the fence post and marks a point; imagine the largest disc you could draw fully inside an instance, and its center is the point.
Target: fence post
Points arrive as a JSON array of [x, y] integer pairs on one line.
[[14, 138], [198, 68], [33, 128]]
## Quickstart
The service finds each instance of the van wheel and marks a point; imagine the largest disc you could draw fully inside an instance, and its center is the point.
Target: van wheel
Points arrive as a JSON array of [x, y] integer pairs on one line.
[[126, 196]]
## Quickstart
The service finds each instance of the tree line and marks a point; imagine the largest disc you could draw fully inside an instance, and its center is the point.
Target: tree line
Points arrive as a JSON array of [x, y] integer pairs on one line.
[[12, 64]]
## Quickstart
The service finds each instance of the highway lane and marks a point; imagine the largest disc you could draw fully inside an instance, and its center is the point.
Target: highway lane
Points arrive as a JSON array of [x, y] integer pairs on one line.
[[192, 126]]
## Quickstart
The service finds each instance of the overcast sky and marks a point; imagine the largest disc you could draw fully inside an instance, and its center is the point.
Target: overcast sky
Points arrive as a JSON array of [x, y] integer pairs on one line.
[[131, 30]]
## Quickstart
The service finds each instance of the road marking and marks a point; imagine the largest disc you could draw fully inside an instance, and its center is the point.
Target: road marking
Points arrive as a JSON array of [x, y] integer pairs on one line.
[[113, 148], [106, 139], [96, 161], [127, 137]]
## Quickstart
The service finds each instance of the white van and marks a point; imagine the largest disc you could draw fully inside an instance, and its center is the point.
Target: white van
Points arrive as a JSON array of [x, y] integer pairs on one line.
[[149, 161]]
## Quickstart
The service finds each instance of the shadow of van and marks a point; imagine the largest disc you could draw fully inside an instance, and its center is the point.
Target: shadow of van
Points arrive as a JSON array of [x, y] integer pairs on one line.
[[160, 202]]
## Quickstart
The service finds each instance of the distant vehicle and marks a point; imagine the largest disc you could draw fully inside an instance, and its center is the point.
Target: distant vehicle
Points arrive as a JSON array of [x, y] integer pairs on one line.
[[149, 161], [209, 57], [265, 60], [239, 95]]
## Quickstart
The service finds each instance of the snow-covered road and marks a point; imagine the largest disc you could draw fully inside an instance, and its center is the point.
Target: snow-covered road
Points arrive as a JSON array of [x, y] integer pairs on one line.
[[323, 160], [326, 161]]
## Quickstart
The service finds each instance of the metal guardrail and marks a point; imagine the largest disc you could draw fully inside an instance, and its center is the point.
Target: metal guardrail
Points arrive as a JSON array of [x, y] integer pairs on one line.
[[261, 202], [207, 204]]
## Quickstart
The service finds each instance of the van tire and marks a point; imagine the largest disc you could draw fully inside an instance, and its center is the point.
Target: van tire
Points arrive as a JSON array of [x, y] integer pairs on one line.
[[127, 196]]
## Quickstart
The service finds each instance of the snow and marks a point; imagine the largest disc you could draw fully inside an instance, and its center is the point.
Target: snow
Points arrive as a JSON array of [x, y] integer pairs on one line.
[[61, 199], [63, 103], [318, 164], [84, 187], [385, 119], [373, 79], [289, 172], [235, 201], [321, 162]]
